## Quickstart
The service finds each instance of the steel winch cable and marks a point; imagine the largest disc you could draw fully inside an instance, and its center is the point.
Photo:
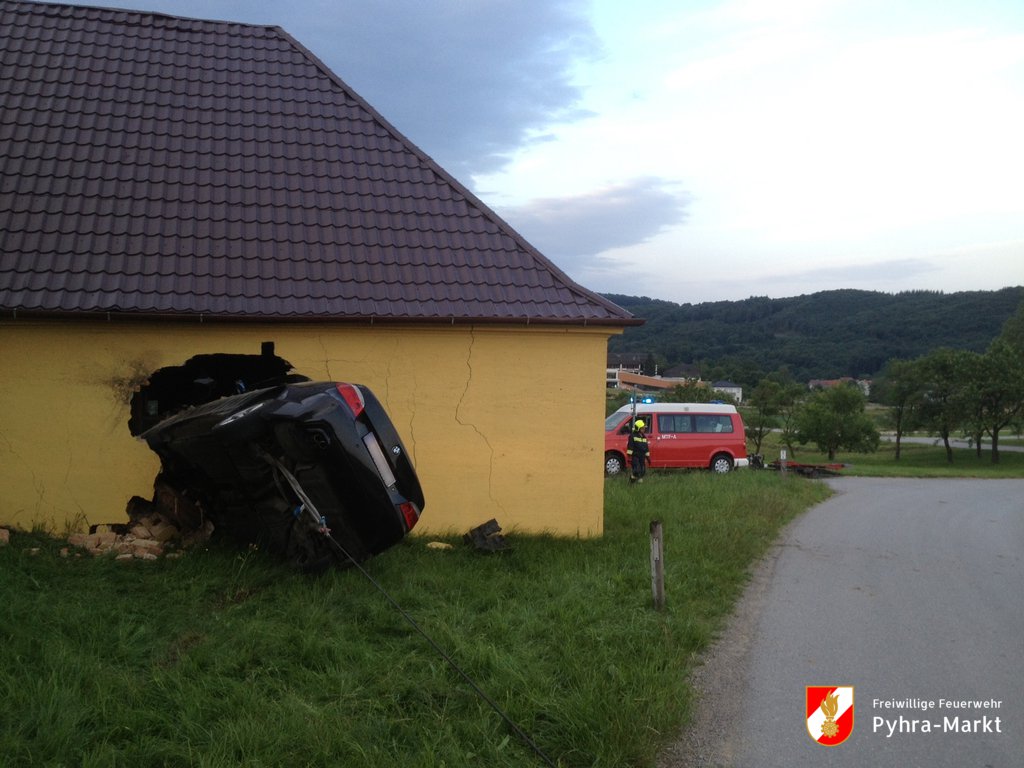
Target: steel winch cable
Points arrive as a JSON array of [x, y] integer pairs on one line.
[[321, 527]]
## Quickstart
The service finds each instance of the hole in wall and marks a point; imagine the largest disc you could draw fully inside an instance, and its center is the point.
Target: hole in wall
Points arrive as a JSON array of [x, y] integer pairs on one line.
[[203, 378]]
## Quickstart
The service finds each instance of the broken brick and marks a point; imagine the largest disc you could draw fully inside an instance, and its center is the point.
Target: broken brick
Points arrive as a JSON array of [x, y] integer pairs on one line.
[[153, 526], [104, 538], [83, 540], [163, 532], [147, 547]]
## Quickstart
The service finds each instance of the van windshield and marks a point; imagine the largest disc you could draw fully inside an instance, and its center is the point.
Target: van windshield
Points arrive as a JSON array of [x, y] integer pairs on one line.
[[612, 421]]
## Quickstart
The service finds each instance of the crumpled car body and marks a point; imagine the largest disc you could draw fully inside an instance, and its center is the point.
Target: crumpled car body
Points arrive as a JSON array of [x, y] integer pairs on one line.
[[285, 466]]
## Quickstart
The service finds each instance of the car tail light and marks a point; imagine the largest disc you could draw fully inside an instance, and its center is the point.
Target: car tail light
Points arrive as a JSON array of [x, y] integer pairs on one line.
[[353, 398], [410, 513]]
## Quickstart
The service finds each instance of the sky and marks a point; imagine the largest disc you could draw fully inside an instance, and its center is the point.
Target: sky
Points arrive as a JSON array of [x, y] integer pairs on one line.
[[705, 150]]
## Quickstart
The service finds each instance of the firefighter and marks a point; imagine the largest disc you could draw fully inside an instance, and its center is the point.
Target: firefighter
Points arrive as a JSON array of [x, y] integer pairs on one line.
[[638, 452]]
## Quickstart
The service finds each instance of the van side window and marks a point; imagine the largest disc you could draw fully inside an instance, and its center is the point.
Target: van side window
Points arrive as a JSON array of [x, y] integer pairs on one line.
[[714, 423], [627, 426], [669, 423]]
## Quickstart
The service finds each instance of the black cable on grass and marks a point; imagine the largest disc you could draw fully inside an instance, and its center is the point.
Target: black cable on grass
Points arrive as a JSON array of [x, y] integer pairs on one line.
[[444, 655]]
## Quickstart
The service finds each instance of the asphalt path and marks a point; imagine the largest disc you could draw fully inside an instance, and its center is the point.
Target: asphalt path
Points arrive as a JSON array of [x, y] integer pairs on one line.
[[911, 591], [954, 442]]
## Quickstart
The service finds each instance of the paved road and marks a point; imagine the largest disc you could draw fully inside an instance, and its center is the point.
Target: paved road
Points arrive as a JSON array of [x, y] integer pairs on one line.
[[986, 445], [912, 591]]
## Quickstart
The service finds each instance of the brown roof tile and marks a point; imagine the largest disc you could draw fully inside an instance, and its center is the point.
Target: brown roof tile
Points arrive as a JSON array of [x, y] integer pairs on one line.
[[159, 165]]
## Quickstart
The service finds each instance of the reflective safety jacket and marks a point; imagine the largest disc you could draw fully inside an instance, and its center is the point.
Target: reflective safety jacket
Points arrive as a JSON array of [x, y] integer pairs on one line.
[[637, 443]]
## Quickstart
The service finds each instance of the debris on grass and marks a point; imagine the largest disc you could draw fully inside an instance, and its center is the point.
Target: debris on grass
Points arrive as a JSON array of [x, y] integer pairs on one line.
[[150, 533], [487, 537]]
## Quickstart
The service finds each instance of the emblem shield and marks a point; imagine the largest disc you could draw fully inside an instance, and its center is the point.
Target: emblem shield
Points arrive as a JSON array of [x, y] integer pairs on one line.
[[829, 713]]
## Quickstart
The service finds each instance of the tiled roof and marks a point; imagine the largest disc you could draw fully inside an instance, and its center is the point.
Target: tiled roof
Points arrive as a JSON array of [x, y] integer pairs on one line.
[[154, 165]]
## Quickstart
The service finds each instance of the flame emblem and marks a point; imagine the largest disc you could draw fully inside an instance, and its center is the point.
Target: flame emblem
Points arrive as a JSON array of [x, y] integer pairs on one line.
[[829, 711], [829, 707]]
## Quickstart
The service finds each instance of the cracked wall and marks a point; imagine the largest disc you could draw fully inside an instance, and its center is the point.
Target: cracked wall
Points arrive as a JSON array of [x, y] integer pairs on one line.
[[461, 420], [501, 422]]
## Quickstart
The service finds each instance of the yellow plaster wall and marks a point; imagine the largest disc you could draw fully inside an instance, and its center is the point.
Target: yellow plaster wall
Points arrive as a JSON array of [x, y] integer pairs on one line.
[[501, 422]]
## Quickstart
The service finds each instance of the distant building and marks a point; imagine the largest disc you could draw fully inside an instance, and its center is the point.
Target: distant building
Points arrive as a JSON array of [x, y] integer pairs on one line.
[[735, 391], [624, 379]]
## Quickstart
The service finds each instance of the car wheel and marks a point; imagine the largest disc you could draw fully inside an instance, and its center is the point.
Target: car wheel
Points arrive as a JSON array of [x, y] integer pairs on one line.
[[613, 463], [721, 463]]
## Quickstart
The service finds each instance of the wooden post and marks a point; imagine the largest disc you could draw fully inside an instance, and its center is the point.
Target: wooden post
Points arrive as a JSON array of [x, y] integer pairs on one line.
[[782, 460], [657, 565]]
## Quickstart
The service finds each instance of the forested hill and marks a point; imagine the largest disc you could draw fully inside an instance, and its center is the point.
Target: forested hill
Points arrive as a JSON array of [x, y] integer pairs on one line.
[[817, 336]]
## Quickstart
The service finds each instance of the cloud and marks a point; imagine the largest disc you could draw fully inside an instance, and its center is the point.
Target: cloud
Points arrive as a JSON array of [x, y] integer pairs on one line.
[[860, 273], [468, 82], [574, 231]]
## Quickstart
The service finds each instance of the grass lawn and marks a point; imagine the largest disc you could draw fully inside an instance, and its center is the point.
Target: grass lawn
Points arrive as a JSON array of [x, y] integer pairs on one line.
[[223, 658]]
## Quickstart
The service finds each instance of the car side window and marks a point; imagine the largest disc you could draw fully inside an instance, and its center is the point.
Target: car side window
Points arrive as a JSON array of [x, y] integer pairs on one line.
[[674, 423], [715, 423], [627, 427]]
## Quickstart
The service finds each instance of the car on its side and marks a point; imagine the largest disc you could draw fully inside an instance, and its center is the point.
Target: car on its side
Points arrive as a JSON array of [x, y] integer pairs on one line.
[[282, 467], [702, 435]]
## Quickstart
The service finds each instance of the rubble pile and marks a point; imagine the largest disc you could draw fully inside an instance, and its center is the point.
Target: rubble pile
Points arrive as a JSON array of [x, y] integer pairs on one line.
[[147, 538], [165, 526]]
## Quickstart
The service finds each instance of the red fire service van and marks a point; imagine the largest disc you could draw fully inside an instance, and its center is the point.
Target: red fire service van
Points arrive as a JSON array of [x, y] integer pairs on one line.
[[704, 435]]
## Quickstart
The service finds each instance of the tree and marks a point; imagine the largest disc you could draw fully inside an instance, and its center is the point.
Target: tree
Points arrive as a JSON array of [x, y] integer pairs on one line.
[[792, 399], [944, 405], [834, 418], [1013, 336], [615, 399], [1013, 329], [692, 392], [773, 403], [740, 369], [766, 403], [996, 390], [900, 388]]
